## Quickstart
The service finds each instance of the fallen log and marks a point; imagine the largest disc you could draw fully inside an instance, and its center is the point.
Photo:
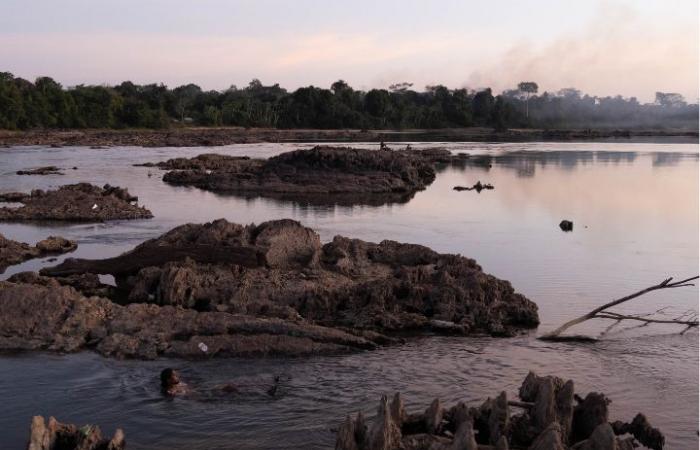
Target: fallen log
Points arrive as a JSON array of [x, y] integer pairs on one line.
[[602, 313], [155, 255]]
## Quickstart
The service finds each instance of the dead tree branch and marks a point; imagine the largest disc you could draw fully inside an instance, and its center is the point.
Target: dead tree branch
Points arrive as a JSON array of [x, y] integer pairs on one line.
[[689, 319]]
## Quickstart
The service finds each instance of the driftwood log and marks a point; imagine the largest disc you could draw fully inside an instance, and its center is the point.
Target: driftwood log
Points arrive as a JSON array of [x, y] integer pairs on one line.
[[155, 255], [689, 320]]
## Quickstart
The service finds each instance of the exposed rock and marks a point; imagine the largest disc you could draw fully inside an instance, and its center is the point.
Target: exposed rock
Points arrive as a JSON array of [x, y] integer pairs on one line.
[[318, 175], [566, 225], [13, 252], [602, 438], [384, 434], [433, 417], [47, 170], [553, 402], [75, 202], [478, 187], [44, 315], [642, 430], [460, 429], [280, 269], [588, 415], [59, 436]]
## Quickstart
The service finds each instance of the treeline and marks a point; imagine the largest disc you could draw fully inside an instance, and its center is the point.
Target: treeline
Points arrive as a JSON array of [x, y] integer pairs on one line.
[[46, 104]]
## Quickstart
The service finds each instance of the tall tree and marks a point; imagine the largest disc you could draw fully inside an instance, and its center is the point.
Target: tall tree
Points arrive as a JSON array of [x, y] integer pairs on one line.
[[528, 88]]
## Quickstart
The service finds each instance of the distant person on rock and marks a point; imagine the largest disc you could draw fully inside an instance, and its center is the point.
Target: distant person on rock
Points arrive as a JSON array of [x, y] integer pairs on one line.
[[171, 385]]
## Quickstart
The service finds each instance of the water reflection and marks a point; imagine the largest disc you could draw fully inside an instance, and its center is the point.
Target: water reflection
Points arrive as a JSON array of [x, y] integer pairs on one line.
[[635, 210]]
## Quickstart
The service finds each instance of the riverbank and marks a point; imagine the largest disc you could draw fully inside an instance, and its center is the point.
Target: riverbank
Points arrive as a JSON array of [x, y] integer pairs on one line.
[[195, 136]]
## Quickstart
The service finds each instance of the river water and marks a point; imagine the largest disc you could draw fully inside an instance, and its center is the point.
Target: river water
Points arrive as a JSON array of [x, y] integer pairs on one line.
[[635, 214]]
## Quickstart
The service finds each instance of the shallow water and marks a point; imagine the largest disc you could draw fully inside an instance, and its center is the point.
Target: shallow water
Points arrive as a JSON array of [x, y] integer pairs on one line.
[[635, 213]]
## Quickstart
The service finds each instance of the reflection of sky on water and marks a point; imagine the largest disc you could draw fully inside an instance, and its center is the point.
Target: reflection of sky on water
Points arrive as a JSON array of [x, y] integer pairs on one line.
[[635, 214]]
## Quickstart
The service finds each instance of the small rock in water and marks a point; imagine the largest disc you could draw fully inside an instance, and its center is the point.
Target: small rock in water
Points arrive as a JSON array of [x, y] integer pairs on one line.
[[566, 225], [478, 187]]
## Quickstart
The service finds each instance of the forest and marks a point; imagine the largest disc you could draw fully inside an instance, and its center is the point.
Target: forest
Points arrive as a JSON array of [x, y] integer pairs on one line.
[[45, 103]]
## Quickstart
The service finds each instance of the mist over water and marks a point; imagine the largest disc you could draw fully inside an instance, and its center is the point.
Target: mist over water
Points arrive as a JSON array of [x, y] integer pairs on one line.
[[635, 214]]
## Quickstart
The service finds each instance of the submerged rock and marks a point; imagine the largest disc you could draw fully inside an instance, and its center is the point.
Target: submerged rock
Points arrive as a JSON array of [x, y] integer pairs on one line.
[[74, 202], [13, 252], [281, 269], [60, 436], [491, 426], [47, 170], [566, 225], [318, 175], [478, 187]]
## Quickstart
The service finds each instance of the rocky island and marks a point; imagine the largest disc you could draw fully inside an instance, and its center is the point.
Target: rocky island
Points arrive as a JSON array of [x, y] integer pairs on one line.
[[13, 252], [261, 289], [318, 175], [81, 202]]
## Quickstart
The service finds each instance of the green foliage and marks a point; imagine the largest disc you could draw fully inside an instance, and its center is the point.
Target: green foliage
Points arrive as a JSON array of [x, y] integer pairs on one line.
[[46, 104]]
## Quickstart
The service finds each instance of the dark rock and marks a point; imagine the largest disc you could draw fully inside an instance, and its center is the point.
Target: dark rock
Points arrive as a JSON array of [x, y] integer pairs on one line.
[[47, 170], [13, 252], [588, 415], [566, 225], [478, 187], [490, 426], [45, 315], [59, 436], [642, 430], [319, 175], [281, 269], [74, 202]]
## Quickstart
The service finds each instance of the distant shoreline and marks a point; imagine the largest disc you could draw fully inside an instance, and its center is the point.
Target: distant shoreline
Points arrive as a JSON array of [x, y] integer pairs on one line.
[[201, 136]]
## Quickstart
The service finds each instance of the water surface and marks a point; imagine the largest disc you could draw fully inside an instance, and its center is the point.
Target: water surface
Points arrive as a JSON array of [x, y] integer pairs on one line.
[[635, 214]]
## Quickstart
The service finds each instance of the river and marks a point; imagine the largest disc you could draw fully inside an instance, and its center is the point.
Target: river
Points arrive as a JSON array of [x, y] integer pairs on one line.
[[635, 213]]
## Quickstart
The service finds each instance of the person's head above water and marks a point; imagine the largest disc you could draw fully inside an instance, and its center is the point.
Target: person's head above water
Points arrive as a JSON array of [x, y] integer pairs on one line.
[[169, 378]]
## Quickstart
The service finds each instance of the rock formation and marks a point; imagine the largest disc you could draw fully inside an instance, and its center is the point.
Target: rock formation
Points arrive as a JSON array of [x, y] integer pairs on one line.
[[318, 175], [547, 421], [46, 170], [55, 435], [75, 202], [255, 290], [13, 252], [281, 269]]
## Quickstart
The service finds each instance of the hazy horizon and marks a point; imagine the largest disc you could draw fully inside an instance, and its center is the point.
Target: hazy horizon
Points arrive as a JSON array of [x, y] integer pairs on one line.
[[603, 48]]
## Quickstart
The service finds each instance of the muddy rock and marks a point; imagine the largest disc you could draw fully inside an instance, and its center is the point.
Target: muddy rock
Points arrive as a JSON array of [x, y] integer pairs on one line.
[[40, 314], [55, 435], [318, 175], [13, 252], [47, 170], [80, 202], [589, 413], [461, 428], [281, 269]]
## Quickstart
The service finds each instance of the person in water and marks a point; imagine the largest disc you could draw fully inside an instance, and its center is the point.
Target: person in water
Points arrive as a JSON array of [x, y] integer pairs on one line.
[[171, 384]]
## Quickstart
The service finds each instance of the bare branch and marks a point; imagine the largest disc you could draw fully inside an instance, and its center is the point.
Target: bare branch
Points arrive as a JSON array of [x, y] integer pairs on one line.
[[601, 313]]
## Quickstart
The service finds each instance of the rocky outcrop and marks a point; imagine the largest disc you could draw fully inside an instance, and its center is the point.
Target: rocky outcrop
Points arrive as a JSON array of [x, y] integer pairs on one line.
[[547, 423], [55, 435], [281, 269], [37, 313], [13, 252], [318, 175], [75, 202]]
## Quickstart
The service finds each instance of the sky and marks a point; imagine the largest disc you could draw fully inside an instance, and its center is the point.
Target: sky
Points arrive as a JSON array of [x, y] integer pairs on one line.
[[602, 47]]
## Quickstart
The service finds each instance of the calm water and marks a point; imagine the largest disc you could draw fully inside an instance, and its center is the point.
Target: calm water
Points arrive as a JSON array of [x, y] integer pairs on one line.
[[635, 210]]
